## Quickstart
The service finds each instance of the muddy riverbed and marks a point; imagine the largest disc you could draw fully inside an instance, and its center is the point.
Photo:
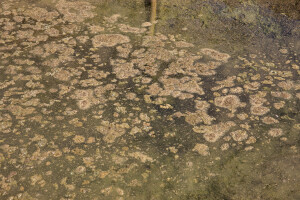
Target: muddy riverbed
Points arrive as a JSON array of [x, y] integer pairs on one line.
[[153, 100]]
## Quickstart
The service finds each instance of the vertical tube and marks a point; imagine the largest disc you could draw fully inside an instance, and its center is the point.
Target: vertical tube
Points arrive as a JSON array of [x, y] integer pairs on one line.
[[153, 16]]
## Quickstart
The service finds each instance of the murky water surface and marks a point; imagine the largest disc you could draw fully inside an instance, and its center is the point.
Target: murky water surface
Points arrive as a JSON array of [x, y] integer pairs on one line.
[[149, 100]]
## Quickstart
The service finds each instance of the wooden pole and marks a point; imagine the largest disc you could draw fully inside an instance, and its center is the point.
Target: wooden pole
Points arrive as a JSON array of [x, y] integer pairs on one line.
[[153, 16]]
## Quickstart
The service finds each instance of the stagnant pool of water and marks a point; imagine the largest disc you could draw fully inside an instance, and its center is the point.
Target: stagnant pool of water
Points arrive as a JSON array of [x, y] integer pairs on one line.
[[134, 99]]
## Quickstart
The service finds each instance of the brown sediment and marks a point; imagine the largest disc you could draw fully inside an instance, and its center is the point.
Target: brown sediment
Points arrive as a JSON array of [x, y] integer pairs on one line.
[[216, 54], [239, 135], [109, 40], [202, 149], [270, 120], [111, 131], [275, 132], [214, 132], [259, 110], [231, 102]]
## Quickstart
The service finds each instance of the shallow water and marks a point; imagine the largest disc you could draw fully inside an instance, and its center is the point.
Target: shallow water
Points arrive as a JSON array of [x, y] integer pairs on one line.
[[128, 99]]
